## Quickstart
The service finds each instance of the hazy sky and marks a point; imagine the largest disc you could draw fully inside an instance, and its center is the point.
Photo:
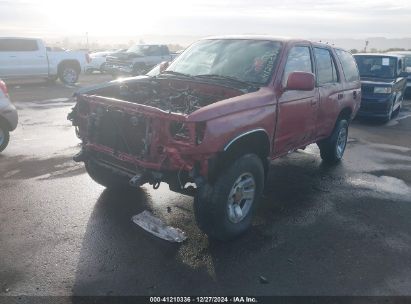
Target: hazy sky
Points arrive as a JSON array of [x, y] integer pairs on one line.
[[298, 18]]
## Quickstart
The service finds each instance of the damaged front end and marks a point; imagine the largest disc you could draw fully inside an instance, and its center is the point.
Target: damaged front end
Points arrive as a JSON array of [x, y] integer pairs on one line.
[[140, 129]]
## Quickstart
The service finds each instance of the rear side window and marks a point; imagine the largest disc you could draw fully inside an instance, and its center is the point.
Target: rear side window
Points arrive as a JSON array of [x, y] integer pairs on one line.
[[326, 70], [18, 45], [299, 60], [349, 66]]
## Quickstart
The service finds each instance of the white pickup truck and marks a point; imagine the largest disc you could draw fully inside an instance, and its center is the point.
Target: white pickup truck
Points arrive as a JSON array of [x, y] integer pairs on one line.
[[28, 58]]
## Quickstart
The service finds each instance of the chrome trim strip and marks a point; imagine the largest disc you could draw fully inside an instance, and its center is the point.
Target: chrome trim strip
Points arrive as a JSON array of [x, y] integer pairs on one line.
[[244, 134]]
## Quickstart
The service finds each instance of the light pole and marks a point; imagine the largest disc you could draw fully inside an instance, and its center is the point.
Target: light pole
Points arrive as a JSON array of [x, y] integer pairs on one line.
[[87, 39]]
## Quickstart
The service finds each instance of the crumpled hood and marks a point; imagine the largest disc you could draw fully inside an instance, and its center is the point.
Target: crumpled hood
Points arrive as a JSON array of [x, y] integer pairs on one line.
[[261, 98]]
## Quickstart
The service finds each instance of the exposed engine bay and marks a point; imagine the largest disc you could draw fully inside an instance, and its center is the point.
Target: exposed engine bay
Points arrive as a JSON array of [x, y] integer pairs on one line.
[[175, 96]]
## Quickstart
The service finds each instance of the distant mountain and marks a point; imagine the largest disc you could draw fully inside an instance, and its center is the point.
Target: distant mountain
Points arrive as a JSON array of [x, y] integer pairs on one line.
[[378, 43]]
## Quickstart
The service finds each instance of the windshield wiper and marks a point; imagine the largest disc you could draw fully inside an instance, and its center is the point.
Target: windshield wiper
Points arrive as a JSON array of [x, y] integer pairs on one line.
[[228, 78], [176, 74]]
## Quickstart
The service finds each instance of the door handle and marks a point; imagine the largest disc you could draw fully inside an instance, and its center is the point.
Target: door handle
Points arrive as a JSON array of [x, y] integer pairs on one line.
[[340, 96], [313, 102], [354, 94], [12, 56]]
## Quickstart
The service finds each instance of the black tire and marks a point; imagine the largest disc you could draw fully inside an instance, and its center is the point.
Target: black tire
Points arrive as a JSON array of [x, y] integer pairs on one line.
[[103, 68], [398, 110], [211, 202], [330, 148], [139, 69], [4, 137], [390, 113], [104, 176], [68, 73]]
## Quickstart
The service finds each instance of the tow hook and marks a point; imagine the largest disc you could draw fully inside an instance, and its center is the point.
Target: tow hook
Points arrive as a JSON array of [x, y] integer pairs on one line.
[[135, 181], [156, 185]]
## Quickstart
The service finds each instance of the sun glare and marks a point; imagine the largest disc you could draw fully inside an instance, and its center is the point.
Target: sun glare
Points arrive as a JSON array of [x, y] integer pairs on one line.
[[123, 17]]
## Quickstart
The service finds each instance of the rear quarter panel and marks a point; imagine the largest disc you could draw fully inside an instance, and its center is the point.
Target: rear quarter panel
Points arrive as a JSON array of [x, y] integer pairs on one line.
[[352, 91], [55, 58]]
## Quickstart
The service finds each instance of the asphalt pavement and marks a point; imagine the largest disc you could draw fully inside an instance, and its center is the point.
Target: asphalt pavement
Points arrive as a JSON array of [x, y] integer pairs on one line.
[[342, 230]]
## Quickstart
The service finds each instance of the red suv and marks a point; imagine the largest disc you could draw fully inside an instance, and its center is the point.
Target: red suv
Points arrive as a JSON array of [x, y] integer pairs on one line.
[[209, 123]]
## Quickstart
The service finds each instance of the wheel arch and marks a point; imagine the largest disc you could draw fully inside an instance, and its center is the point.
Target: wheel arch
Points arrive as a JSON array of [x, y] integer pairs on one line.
[[345, 113], [71, 62], [253, 141]]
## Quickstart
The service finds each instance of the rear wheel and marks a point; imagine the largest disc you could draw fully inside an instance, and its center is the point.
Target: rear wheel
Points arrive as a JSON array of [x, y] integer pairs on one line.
[[104, 176], [68, 73], [4, 137], [224, 210], [332, 148]]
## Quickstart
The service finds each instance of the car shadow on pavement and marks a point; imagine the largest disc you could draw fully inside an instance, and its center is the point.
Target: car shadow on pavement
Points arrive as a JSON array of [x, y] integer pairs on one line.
[[22, 167], [315, 233], [119, 258]]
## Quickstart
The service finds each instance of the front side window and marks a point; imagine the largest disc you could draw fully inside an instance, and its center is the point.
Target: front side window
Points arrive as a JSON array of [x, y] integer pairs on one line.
[[376, 66], [244, 59], [349, 66], [326, 70], [299, 60]]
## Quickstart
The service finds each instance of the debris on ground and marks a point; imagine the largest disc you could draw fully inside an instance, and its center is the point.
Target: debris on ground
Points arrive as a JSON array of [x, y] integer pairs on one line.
[[263, 280], [157, 227], [320, 189], [169, 209]]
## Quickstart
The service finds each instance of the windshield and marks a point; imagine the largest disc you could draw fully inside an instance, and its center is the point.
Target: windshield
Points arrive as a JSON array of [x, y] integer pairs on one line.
[[246, 60], [376, 66]]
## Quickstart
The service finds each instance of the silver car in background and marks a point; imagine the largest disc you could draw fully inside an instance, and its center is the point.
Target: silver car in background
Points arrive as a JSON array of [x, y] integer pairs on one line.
[[8, 116]]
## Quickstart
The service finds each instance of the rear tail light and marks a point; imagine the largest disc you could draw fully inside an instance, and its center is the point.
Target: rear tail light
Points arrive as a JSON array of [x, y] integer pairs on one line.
[[88, 58], [3, 88]]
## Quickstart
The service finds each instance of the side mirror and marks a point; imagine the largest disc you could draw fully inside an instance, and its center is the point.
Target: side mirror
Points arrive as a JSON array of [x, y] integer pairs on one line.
[[163, 66], [301, 81]]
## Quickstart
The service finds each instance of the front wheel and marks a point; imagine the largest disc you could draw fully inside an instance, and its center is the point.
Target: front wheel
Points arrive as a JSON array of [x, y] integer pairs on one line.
[[103, 68], [390, 114], [398, 110], [4, 137], [332, 148], [224, 210]]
